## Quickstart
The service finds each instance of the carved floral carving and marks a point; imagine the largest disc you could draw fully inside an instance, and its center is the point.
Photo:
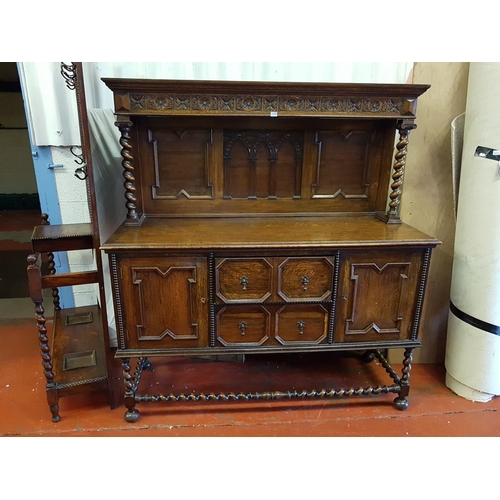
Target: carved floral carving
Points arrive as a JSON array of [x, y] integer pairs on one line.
[[258, 104]]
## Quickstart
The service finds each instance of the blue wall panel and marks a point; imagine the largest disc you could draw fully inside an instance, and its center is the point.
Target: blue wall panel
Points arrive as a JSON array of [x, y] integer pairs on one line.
[[49, 203]]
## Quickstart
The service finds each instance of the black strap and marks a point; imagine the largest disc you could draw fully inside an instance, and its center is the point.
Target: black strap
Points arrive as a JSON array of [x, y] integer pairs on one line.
[[467, 318]]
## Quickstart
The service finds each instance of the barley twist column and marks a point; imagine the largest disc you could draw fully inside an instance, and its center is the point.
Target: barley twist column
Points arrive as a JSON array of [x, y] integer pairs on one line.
[[128, 171], [404, 127]]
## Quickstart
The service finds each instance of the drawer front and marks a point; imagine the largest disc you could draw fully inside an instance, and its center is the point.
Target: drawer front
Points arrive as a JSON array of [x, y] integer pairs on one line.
[[305, 279], [243, 326], [304, 324], [243, 280]]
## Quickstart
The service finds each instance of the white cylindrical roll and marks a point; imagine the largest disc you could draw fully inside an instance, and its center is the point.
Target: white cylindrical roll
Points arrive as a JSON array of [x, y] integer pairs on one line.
[[473, 343]]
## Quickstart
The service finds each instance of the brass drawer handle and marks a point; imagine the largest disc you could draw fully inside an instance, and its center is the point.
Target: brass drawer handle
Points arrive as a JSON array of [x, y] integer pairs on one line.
[[244, 282], [301, 325], [242, 326], [305, 282]]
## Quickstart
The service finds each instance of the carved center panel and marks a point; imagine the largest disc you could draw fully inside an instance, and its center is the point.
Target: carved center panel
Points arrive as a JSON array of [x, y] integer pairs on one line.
[[262, 164]]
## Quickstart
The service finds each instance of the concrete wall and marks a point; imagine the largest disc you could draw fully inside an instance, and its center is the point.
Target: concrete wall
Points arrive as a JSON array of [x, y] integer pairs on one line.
[[427, 202]]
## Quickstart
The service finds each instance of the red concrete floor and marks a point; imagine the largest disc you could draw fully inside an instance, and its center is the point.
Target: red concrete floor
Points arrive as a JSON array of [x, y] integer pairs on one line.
[[433, 411]]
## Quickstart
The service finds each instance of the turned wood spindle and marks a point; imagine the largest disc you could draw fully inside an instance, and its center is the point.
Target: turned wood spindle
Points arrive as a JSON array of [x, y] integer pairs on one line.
[[405, 127], [128, 170]]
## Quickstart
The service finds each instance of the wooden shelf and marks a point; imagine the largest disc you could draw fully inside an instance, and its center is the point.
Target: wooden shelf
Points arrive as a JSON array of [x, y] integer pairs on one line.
[[61, 237], [267, 232]]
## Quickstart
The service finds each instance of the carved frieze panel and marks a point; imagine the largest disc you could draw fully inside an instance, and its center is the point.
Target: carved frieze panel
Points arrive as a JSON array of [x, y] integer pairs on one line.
[[213, 104]]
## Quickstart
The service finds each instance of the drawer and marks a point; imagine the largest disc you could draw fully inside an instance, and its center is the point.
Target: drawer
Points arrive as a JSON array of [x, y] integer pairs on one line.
[[243, 280], [304, 324], [303, 279], [243, 325]]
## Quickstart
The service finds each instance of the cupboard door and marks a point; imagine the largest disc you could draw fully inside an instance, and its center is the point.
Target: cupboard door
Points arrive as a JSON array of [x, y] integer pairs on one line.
[[165, 302], [377, 295]]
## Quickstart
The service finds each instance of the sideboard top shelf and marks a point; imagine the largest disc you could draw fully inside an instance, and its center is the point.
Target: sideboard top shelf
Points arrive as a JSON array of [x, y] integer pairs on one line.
[[203, 233], [226, 98]]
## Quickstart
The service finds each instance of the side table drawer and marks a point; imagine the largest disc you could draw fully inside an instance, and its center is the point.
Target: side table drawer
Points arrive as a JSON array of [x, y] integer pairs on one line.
[[302, 279], [243, 280]]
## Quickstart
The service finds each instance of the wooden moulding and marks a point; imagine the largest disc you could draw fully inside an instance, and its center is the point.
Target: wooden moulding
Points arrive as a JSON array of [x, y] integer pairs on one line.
[[222, 98], [345, 346]]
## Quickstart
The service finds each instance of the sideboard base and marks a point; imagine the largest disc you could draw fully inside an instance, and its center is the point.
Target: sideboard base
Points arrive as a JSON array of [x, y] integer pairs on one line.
[[400, 386]]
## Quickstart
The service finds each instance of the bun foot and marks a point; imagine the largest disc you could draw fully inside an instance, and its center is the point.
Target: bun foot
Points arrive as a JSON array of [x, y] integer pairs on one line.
[[132, 415], [401, 403], [368, 356]]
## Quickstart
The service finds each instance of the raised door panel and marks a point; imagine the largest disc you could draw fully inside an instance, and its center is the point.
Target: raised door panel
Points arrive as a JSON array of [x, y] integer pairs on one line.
[[181, 163], [301, 324], [377, 295], [165, 302], [243, 280], [305, 279], [347, 159]]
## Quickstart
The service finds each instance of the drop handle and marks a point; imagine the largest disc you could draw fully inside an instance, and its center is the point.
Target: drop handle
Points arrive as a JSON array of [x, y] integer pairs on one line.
[[301, 325], [244, 282], [305, 281], [242, 326]]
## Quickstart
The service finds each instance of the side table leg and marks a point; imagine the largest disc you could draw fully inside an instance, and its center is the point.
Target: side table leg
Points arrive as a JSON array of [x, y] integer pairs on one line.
[[53, 400], [401, 402], [132, 414]]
